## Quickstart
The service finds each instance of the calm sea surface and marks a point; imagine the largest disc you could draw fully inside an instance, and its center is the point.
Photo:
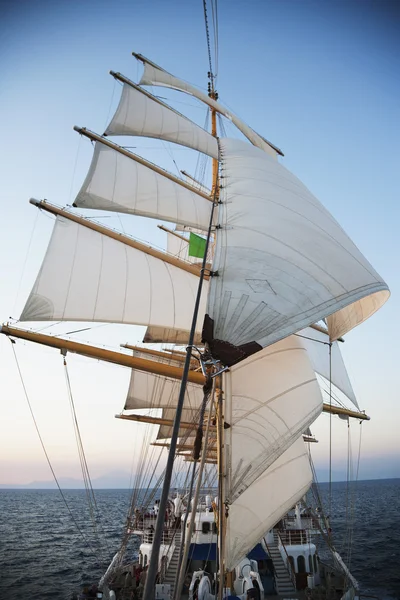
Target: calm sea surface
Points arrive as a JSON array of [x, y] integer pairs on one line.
[[43, 555]]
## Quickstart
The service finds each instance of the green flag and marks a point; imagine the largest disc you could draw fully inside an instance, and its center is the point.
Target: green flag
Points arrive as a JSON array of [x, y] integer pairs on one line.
[[197, 245]]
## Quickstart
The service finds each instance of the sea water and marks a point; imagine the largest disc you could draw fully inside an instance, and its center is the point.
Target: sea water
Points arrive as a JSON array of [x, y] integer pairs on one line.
[[45, 554]]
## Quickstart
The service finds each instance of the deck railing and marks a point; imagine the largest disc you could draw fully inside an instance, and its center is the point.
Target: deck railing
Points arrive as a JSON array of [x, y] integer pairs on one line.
[[293, 536]]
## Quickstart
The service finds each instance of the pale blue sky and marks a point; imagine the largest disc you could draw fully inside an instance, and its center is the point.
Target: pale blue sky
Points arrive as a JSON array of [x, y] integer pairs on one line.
[[319, 79]]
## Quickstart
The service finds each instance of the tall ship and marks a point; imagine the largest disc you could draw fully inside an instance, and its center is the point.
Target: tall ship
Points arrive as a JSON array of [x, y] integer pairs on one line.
[[244, 312]]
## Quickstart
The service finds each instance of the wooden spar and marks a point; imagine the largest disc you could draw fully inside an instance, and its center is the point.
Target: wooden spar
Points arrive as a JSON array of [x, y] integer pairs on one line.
[[338, 410], [179, 446], [168, 258], [141, 364], [181, 237], [133, 85], [186, 174], [309, 439], [207, 460], [178, 352], [98, 138], [125, 360], [194, 363], [157, 421], [210, 452]]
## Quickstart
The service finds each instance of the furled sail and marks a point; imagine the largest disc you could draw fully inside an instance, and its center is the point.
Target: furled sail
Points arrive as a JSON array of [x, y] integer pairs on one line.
[[271, 399], [155, 75], [139, 113], [87, 276], [266, 501], [283, 261], [317, 345], [118, 183]]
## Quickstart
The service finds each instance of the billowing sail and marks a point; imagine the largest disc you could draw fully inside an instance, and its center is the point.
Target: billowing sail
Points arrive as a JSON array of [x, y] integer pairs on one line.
[[271, 399], [87, 276], [283, 261], [317, 345], [268, 499], [154, 75], [118, 183], [139, 113]]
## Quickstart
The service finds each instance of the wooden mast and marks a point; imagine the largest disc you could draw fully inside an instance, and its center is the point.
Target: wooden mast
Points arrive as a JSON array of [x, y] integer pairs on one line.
[[219, 403]]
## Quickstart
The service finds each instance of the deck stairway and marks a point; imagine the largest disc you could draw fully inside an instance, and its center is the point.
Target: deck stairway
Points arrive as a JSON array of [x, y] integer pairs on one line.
[[173, 565], [283, 580]]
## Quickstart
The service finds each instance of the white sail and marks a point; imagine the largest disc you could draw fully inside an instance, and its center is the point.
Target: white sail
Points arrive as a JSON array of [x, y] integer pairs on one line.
[[118, 183], [266, 501], [186, 435], [149, 391], [283, 260], [154, 75], [87, 276], [317, 345], [165, 335], [139, 113], [271, 399]]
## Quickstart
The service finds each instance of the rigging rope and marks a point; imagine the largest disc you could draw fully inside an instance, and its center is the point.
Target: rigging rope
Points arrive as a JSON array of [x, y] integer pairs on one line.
[[352, 499], [208, 44], [86, 540], [214, 8], [26, 260], [90, 495]]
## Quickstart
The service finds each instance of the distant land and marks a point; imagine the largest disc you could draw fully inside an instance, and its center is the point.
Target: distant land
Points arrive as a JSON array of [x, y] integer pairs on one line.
[[123, 480], [111, 481]]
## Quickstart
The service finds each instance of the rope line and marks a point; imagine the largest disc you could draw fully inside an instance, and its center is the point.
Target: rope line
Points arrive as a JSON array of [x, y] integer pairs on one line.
[[208, 44], [86, 540], [90, 495], [26, 260]]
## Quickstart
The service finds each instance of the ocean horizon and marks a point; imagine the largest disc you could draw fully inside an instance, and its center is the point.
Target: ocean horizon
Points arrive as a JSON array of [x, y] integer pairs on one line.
[[68, 483]]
